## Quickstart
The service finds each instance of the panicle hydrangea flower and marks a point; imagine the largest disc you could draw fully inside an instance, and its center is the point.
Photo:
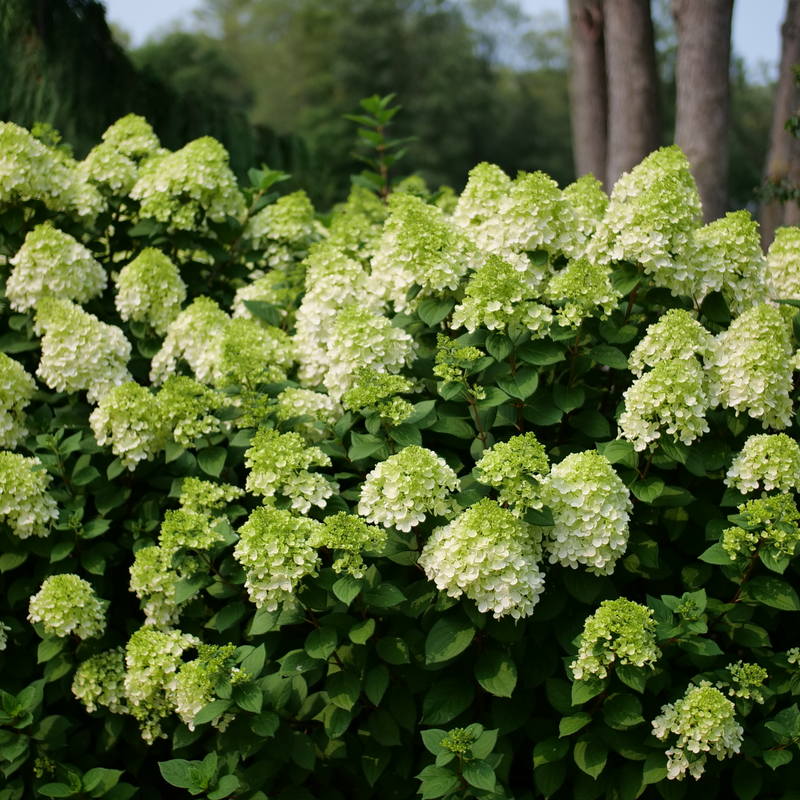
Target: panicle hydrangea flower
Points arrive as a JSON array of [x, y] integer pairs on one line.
[[52, 263], [793, 655], [774, 520], [672, 397], [25, 505], [703, 720], [185, 408], [186, 528], [288, 221], [80, 352], [150, 290], [357, 224], [362, 338], [478, 209], [497, 297], [278, 288], [375, 391], [347, 536], [274, 548], [251, 354], [517, 468], [16, 389], [307, 403], [133, 136], [620, 631], [152, 659], [195, 336], [419, 246], [189, 185], [651, 215], [489, 555], [582, 287], [589, 201], [67, 604], [153, 580], [591, 507], [771, 462], [334, 281], [100, 681], [751, 369], [725, 256], [206, 497], [406, 487], [110, 169], [279, 463], [783, 264], [746, 681], [4, 629], [129, 418], [675, 336]]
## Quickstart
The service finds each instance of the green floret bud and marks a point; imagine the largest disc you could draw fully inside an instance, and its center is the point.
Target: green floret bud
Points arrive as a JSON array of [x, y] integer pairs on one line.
[[581, 288], [772, 524], [347, 536], [459, 741], [374, 391], [186, 409], [746, 681]]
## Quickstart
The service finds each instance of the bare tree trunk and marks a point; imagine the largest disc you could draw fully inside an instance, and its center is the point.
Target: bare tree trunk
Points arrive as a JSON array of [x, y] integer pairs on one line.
[[587, 87], [703, 84], [633, 117]]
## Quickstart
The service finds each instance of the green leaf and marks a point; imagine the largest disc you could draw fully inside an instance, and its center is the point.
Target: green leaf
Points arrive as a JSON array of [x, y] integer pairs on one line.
[[716, 554], [590, 755], [49, 648], [384, 596], [321, 642], [484, 744], [56, 790], [189, 586], [543, 517], [226, 786], [499, 346], [406, 435], [248, 697], [393, 650], [549, 777], [448, 637], [265, 311], [446, 699], [699, 646], [437, 782], [522, 384], [633, 676], [211, 460], [376, 683], [454, 427], [362, 631], [432, 311], [541, 410], [549, 750], [479, 774], [587, 688], [84, 476], [609, 356], [568, 398], [773, 592], [746, 780], [9, 561], [115, 469], [648, 490], [619, 452], [295, 662], [343, 688], [777, 758], [364, 445], [496, 673], [61, 551], [541, 353], [265, 724], [569, 725], [227, 617], [432, 739], [211, 711], [494, 397], [591, 423], [346, 589], [254, 662], [625, 282], [263, 622], [655, 768], [622, 711], [176, 773], [716, 309]]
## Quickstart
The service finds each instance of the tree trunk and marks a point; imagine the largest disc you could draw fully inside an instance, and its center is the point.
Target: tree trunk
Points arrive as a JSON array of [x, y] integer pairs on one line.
[[633, 118], [703, 84], [587, 88], [782, 146]]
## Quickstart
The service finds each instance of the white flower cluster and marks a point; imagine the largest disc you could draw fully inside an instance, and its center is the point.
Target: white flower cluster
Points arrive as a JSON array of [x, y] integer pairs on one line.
[[406, 487], [620, 631], [100, 681], [185, 407], [150, 290], [356, 225], [187, 528], [52, 263], [581, 288], [152, 659], [478, 208], [78, 351], [16, 389], [286, 223], [703, 720], [376, 392], [347, 536], [67, 604], [307, 403], [189, 185], [25, 505], [491, 556], [652, 213], [363, 338], [589, 201], [252, 354], [110, 169], [591, 507], [783, 264], [4, 629], [195, 336], [274, 548], [419, 246], [280, 463], [517, 468], [132, 136], [766, 461], [752, 367], [153, 581]]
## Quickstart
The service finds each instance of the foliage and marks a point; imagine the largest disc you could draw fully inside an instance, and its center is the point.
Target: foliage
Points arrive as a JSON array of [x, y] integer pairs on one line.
[[338, 545]]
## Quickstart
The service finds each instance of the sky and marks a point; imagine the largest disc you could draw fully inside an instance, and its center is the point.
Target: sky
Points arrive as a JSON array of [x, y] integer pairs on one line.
[[756, 23]]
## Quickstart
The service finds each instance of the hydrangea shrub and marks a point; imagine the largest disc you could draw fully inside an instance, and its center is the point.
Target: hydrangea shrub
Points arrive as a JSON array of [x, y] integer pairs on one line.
[[490, 496]]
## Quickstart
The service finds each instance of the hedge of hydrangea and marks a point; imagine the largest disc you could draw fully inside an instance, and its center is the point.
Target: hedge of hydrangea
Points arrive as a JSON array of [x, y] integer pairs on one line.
[[490, 496]]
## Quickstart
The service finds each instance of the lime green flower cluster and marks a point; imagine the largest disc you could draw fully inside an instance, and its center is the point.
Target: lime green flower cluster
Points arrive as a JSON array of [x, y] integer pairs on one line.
[[498, 297], [769, 462], [704, 722], [454, 361], [282, 229], [78, 351], [274, 548], [186, 409], [279, 289], [580, 289], [458, 741], [347, 536], [150, 290], [489, 555], [407, 486], [591, 507], [752, 367], [133, 136], [589, 201], [52, 263], [772, 527], [516, 468], [375, 391], [478, 208], [153, 580], [66, 604], [279, 463], [252, 354], [189, 186], [16, 389], [25, 505], [100, 681], [206, 497], [783, 264], [619, 632], [357, 224], [746, 681]]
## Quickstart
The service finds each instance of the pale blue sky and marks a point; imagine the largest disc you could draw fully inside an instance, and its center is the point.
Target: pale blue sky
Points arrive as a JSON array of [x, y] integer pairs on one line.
[[756, 23]]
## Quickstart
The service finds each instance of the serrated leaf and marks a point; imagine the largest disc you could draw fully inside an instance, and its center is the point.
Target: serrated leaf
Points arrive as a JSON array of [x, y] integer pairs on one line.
[[364, 445], [448, 637], [716, 554], [622, 711], [479, 774]]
